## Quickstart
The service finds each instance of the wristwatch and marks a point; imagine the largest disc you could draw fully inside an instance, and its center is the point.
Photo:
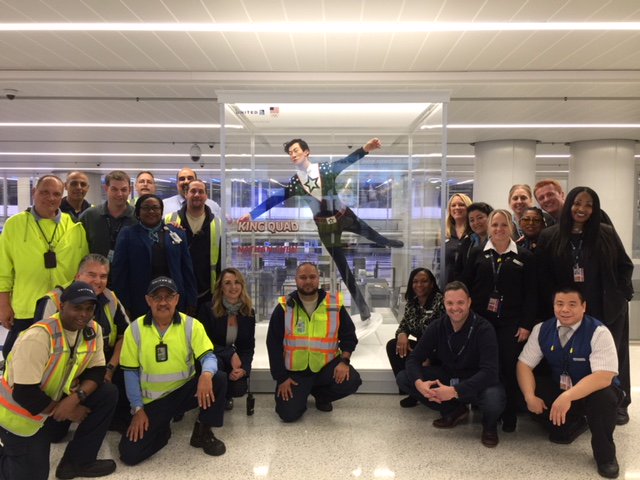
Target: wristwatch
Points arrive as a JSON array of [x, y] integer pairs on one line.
[[82, 395], [345, 360], [110, 367]]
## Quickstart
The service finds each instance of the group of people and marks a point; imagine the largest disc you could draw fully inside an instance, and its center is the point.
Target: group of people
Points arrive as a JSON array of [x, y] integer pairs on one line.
[[129, 320], [516, 282]]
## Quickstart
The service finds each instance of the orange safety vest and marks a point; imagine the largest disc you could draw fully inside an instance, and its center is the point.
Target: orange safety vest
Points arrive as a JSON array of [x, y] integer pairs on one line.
[[311, 342], [59, 374]]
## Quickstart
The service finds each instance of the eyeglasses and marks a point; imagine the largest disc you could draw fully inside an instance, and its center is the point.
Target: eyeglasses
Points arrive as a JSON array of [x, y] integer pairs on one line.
[[151, 208], [163, 298], [530, 220]]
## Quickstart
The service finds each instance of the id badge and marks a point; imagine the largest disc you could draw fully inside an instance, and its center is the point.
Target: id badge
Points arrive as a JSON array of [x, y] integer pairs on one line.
[[301, 327], [565, 382], [110, 255], [50, 260], [578, 274], [453, 382], [162, 352], [494, 303]]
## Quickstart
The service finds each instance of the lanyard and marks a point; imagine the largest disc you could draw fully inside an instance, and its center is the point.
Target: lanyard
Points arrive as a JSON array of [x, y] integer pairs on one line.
[[473, 324], [496, 266], [576, 252], [50, 241]]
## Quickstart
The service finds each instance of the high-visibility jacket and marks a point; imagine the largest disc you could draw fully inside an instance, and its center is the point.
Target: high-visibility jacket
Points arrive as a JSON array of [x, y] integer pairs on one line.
[[311, 342], [110, 310], [59, 374], [184, 342], [22, 249], [215, 233]]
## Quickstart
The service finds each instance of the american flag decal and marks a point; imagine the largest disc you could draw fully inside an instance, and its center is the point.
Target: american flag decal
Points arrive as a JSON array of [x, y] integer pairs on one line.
[[274, 111]]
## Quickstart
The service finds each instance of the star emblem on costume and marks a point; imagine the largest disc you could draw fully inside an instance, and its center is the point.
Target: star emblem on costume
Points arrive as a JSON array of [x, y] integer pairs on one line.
[[309, 184]]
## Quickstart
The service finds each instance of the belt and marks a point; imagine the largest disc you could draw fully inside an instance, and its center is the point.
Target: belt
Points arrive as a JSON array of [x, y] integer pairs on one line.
[[330, 220]]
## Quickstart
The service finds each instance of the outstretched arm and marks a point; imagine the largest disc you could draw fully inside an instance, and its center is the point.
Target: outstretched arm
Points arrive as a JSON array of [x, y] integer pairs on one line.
[[370, 146]]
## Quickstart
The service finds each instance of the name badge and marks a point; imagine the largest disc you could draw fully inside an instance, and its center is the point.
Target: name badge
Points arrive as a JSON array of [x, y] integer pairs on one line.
[[578, 274], [579, 359], [162, 352], [518, 262], [565, 382], [301, 327], [494, 303]]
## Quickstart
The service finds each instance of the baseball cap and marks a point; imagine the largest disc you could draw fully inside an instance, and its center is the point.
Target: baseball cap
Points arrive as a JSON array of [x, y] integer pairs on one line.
[[161, 282], [78, 292]]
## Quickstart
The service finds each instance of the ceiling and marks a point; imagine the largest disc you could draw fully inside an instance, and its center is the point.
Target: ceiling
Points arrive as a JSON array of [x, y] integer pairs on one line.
[[501, 74]]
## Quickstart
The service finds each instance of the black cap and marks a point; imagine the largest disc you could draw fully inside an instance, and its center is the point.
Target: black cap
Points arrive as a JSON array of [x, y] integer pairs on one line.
[[161, 282], [78, 292]]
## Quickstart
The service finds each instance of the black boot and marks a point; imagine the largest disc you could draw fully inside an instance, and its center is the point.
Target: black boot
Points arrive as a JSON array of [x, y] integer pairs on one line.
[[203, 437]]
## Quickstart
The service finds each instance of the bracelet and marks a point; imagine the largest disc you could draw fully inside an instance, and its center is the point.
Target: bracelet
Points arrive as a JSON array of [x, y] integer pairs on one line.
[[110, 367]]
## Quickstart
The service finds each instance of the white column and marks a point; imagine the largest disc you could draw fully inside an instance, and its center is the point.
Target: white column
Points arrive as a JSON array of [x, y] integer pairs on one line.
[[94, 195], [499, 165], [24, 193], [608, 167]]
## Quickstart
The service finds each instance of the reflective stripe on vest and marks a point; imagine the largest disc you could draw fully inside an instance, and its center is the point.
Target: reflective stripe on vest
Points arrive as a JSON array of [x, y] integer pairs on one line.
[[110, 310], [56, 379], [153, 386], [311, 342], [215, 232]]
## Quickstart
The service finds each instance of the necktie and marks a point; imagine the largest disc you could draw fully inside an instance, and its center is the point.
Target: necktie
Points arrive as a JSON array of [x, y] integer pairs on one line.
[[564, 334]]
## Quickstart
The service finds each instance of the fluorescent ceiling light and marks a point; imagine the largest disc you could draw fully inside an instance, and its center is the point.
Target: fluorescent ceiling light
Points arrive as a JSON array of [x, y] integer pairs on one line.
[[116, 125], [322, 27], [334, 108], [463, 126]]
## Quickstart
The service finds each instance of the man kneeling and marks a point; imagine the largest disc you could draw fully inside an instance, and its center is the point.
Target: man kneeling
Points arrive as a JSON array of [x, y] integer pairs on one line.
[[158, 359], [466, 348], [581, 354]]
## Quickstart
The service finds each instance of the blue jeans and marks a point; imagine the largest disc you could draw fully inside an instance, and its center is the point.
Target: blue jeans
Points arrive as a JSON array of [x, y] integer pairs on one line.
[[491, 401]]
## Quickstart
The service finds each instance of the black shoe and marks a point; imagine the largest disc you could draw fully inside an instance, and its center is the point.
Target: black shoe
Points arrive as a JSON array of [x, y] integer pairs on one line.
[[408, 402], [489, 438], [569, 433], [97, 468], [228, 404], [324, 406], [202, 437], [454, 418], [509, 422], [622, 417], [609, 469]]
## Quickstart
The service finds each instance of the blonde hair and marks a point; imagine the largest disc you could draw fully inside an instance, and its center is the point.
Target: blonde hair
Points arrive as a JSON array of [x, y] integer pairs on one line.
[[451, 223], [218, 307], [523, 186], [507, 215]]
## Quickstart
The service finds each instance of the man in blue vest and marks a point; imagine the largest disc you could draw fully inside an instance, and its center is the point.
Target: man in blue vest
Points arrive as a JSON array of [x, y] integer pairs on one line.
[[581, 355], [54, 376], [310, 341]]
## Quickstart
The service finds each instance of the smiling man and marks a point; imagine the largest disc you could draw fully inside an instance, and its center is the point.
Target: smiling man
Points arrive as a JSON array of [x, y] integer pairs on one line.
[[456, 363], [175, 203], [77, 187], [54, 377], [581, 354]]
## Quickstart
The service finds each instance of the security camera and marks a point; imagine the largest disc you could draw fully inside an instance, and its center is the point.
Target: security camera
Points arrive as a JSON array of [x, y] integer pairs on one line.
[[10, 93], [195, 152]]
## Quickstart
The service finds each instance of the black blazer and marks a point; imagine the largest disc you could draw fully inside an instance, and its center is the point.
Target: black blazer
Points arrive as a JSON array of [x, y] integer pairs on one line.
[[245, 344]]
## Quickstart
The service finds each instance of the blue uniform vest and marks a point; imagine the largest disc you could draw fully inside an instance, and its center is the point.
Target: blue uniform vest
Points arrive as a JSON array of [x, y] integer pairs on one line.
[[574, 356]]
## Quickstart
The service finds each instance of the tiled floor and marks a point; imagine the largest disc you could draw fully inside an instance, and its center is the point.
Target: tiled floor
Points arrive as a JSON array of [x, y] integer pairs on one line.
[[368, 436]]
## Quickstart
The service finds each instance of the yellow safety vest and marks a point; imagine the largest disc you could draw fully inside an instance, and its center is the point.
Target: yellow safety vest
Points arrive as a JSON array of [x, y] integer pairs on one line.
[[110, 310], [59, 374], [215, 232], [158, 379], [311, 342]]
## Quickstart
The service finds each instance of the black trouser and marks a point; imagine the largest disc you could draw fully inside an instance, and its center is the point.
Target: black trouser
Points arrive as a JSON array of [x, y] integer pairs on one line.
[[330, 236], [321, 385], [19, 325], [620, 331], [27, 458], [161, 411], [600, 408], [508, 351], [490, 401], [397, 362]]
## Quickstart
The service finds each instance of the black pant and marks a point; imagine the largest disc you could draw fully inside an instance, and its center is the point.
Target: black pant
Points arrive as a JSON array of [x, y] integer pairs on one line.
[[27, 458], [321, 385], [330, 236], [508, 351], [600, 408], [397, 362], [162, 411], [19, 325]]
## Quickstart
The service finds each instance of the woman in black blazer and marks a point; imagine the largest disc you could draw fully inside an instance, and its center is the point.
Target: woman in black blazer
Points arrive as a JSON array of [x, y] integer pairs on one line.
[[230, 323]]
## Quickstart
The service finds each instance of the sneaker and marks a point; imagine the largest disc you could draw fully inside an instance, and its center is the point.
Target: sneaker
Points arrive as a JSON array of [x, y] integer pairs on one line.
[[202, 437], [97, 468], [489, 438], [408, 402], [324, 406], [228, 404]]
